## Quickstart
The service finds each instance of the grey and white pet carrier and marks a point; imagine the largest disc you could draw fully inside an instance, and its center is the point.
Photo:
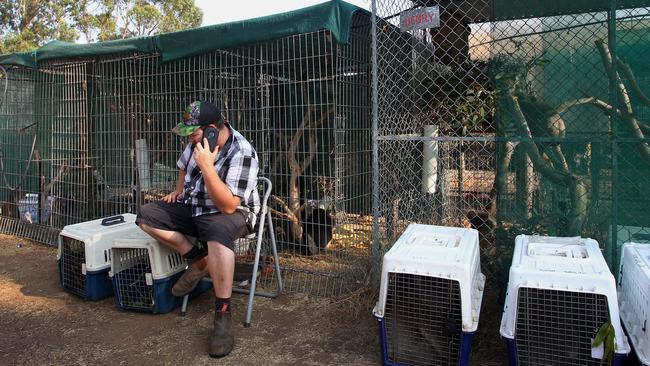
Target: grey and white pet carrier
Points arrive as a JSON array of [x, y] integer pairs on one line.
[[143, 272], [84, 257]]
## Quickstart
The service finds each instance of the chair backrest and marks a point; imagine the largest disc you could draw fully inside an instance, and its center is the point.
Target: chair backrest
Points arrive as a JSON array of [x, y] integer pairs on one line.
[[264, 188], [265, 185]]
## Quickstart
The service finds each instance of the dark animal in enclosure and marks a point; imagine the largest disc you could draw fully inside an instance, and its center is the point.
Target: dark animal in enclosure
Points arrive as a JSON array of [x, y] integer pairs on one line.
[[318, 225]]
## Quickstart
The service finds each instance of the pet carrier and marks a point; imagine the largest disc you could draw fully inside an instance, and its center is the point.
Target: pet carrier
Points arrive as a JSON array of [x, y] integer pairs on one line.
[[634, 297], [84, 257], [430, 296], [143, 273], [560, 294]]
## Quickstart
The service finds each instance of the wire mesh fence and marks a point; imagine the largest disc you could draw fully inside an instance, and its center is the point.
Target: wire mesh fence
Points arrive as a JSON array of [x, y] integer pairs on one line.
[[512, 117], [89, 138], [436, 137], [506, 117]]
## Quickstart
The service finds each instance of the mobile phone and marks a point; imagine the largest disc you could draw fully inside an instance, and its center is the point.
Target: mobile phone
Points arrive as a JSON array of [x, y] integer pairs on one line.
[[211, 133]]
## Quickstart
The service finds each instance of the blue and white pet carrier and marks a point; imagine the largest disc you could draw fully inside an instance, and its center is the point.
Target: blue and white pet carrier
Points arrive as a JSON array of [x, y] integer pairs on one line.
[[143, 273], [560, 294], [634, 297], [84, 257]]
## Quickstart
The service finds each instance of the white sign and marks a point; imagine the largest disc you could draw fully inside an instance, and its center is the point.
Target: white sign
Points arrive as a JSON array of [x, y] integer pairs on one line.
[[420, 18]]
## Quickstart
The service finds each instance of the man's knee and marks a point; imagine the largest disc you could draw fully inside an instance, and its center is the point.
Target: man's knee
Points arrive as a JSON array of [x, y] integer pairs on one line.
[[217, 248], [145, 213]]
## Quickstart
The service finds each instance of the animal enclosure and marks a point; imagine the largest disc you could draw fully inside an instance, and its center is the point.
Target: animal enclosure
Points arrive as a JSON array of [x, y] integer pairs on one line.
[[86, 130], [513, 117], [508, 117]]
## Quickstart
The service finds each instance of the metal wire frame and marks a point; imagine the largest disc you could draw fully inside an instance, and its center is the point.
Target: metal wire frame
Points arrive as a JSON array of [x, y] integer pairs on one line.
[[130, 269], [286, 96], [423, 320], [558, 327], [434, 88], [424, 79], [73, 257], [33, 171]]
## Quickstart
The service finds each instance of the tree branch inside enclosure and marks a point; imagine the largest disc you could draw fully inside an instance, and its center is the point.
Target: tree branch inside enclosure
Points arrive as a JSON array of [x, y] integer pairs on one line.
[[292, 208], [512, 102], [626, 112]]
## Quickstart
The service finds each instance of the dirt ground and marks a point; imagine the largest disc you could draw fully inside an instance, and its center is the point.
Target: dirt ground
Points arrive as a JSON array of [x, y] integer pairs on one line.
[[42, 325]]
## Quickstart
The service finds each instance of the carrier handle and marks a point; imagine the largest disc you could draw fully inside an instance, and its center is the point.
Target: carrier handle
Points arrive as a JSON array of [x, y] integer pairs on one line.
[[113, 220]]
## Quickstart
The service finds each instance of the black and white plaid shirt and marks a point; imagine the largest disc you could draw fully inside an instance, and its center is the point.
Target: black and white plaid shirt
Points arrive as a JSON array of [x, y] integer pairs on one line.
[[236, 165]]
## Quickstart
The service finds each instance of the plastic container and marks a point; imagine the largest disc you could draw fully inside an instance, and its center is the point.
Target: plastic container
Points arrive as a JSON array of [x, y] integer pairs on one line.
[[84, 257], [634, 297], [430, 296], [560, 293], [28, 209], [143, 273]]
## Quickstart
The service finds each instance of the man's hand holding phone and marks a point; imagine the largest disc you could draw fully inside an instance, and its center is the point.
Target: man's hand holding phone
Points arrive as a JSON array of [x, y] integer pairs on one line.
[[203, 156], [212, 134]]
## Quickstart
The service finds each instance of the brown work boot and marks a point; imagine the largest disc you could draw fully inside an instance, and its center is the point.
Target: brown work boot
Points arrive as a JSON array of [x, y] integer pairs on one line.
[[222, 339], [188, 281]]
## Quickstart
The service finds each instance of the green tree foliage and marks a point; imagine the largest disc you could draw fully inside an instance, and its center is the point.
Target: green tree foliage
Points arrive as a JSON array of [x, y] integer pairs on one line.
[[28, 24]]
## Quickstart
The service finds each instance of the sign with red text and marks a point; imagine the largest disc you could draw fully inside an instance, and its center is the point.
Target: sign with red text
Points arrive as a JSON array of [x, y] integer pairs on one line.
[[420, 18]]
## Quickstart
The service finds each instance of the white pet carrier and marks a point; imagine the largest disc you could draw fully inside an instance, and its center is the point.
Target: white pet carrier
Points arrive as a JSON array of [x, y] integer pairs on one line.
[[634, 297], [560, 294], [430, 296], [84, 258], [143, 273]]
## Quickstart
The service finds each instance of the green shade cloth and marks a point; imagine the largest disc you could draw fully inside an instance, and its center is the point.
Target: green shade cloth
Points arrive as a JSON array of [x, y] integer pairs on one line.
[[522, 9], [26, 59], [59, 49], [335, 15]]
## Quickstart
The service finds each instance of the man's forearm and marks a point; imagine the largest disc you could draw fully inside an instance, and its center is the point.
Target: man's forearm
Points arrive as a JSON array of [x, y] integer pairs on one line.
[[180, 183]]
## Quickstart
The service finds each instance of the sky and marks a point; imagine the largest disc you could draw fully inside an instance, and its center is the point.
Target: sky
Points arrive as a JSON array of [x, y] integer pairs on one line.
[[216, 12]]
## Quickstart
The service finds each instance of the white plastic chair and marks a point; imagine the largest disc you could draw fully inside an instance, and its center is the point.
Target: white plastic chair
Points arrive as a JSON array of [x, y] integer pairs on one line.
[[264, 222]]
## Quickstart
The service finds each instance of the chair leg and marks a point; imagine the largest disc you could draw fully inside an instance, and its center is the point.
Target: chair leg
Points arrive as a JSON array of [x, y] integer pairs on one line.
[[258, 247], [251, 294], [274, 248], [184, 306], [187, 297]]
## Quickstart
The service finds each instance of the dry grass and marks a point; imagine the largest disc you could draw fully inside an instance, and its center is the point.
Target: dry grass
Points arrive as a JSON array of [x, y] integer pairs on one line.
[[44, 325], [41, 324]]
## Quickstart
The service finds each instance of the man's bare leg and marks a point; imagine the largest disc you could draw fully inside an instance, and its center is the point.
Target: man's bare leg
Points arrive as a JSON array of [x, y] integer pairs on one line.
[[221, 265], [172, 239]]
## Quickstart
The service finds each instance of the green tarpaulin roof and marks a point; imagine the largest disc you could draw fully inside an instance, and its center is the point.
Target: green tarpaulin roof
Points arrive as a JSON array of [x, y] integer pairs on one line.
[[334, 15]]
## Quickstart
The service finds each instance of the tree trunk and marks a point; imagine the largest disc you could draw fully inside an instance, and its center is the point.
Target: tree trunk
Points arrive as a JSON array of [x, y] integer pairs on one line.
[[523, 193]]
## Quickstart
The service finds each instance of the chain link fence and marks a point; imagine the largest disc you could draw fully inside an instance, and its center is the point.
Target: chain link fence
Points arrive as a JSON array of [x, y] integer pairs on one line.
[[512, 118]]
